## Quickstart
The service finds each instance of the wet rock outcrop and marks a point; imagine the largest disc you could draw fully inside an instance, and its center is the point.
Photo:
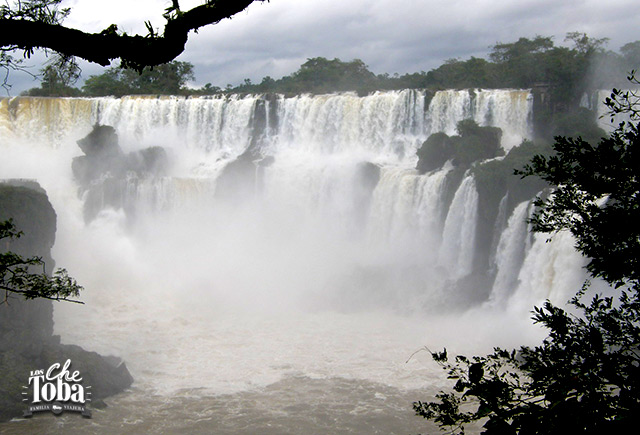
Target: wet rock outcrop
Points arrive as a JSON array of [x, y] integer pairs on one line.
[[26, 327], [105, 173]]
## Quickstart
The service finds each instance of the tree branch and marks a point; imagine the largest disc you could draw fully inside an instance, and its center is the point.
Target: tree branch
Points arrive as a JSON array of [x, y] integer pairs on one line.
[[135, 51], [29, 295]]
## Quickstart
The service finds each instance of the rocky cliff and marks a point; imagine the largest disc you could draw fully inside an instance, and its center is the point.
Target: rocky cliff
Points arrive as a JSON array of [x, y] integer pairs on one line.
[[26, 327]]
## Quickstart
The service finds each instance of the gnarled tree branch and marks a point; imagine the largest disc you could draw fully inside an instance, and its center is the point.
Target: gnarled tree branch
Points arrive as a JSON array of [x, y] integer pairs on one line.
[[135, 51]]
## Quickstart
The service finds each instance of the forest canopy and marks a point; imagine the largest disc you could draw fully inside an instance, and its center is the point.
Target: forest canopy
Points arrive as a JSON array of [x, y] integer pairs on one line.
[[567, 72]]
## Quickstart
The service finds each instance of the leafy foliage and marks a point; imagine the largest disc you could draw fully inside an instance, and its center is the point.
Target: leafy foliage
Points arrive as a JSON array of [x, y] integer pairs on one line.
[[582, 379], [585, 376], [17, 276], [318, 75], [58, 76], [596, 196], [525, 63], [165, 79], [43, 11]]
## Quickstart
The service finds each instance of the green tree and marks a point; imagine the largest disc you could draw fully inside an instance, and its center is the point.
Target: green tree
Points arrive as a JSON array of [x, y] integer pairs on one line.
[[208, 89], [520, 63], [267, 84], [319, 75], [578, 122], [58, 78], [168, 79], [631, 55], [586, 45], [165, 79], [585, 376], [107, 83], [527, 62], [567, 74], [17, 276], [575, 69], [323, 75], [455, 73]]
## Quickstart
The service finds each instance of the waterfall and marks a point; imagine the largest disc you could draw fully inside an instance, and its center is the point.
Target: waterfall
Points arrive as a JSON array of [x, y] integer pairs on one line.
[[509, 110], [45, 120], [289, 247], [339, 167], [459, 234], [388, 125], [220, 125], [408, 207], [510, 253], [447, 108], [552, 269]]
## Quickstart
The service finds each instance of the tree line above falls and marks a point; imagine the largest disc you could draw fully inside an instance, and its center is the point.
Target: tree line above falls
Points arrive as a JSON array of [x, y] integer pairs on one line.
[[568, 72]]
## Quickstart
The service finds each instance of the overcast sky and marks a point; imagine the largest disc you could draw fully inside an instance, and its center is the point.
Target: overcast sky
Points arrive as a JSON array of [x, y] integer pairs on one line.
[[394, 36]]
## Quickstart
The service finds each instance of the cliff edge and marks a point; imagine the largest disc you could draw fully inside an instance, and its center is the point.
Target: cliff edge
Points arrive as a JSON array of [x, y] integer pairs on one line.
[[26, 327]]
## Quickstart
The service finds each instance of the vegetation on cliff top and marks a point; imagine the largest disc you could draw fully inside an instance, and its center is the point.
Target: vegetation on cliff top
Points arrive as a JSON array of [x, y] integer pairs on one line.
[[566, 72]]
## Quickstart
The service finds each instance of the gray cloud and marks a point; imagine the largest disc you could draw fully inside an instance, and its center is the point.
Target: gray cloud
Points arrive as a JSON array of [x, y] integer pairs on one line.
[[388, 35], [392, 36]]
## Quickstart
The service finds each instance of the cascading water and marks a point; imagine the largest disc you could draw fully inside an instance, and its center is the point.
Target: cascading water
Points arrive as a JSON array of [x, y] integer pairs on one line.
[[456, 253], [508, 110], [281, 272], [510, 253], [504, 110], [385, 125]]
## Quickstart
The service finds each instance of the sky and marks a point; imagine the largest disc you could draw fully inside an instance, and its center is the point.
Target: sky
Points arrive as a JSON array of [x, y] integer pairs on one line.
[[392, 36]]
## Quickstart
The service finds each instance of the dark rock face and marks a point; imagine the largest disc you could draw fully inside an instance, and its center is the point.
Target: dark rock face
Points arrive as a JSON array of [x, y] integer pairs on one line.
[[27, 204], [243, 176], [106, 375], [473, 143], [149, 161], [368, 176], [26, 327], [434, 153], [238, 178], [101, 142], [104, 171], [102, 155]]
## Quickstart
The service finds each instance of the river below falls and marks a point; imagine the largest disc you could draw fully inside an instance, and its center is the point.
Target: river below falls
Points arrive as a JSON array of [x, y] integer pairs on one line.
[[249, 373], [295, 405]]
